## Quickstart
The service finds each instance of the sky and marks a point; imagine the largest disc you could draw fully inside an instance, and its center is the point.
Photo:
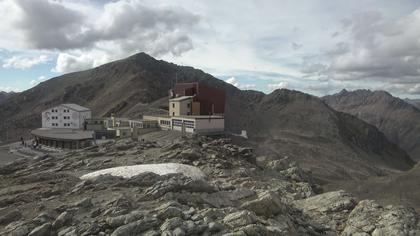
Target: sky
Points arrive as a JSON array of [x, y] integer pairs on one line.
[[315, 46]]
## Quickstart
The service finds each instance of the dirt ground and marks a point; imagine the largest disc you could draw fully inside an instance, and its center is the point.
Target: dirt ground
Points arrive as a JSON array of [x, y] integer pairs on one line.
[[5, 156]]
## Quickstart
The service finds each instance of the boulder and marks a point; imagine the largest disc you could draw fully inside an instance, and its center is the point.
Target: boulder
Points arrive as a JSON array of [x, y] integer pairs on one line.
[[12, 216], [170, 212], [43, 230], [171, 224], [62, 220], [239, 219], [215, 227], [267, 204], [192, 154], [21, 230], [136, 227], [84, 203], [329, 209], [369, 218]]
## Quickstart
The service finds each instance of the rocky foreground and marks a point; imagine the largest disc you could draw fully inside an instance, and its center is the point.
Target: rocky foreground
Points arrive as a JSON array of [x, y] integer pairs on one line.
[[241, 195]]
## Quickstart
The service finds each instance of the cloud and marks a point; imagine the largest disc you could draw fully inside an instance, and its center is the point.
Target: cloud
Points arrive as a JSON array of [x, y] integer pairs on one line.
[[378, 49], [9, 89], [296, 46], [38, 80], [70, 63], [234, 82], [279, 85], [121, 28], [50, 25], [21, 62]]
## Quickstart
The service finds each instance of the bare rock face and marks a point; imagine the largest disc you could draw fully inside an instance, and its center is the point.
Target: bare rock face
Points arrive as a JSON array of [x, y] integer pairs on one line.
[[43, 230], [240, 196], [397, 119], [369, 218], [239, 219], [330, 209]]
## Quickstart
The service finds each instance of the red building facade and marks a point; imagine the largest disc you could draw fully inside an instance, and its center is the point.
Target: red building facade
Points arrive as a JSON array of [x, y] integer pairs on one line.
[[211, 100]]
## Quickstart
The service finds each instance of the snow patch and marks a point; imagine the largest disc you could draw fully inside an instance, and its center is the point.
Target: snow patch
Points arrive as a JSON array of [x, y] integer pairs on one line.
[[160, 169]]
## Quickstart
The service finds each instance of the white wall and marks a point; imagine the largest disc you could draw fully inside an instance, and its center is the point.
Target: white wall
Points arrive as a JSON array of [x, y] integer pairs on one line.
[[208, 124], [63, 117]]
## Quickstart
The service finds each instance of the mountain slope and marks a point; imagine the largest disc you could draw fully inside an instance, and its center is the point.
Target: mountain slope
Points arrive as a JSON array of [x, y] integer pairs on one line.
[[397, 119], [283, 123], [415, 102], [117, 87], [5, 95], [329, 143]]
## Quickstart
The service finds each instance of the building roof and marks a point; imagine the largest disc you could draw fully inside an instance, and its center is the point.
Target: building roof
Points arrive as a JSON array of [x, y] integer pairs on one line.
[[178, 99], [198, 117], [75, 107], [62, 134]]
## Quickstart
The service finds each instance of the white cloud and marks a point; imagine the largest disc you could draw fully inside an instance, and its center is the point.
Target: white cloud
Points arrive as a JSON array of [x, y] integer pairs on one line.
[[9, 89], [279, 85], [22, 62], [233, 81], [38, 80], [70, 63], [247, 86]]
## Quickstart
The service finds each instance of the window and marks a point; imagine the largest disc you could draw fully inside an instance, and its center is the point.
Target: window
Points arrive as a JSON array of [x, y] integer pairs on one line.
[[173, 113], [173, 105], [188, 105]]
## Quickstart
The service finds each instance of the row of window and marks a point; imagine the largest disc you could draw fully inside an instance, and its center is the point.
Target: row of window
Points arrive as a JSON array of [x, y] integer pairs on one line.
[[188, 105], [56, 110], [65, 124], [64, 117], [187, 123], [165, 122]]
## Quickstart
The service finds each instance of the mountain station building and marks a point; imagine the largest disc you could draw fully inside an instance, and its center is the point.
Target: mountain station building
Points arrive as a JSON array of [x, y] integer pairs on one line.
[[64, 126]]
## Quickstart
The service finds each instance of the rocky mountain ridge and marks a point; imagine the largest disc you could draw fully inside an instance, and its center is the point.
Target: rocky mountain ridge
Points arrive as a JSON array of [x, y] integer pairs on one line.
[[397, 119], [243, 194]]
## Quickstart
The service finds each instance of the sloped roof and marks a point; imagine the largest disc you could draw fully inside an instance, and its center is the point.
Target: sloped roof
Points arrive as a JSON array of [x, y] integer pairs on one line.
[[75, 107], [178, 99]]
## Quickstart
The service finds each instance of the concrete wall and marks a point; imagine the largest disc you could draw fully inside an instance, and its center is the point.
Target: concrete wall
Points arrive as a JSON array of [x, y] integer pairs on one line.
[[209, 125], [63, 117]]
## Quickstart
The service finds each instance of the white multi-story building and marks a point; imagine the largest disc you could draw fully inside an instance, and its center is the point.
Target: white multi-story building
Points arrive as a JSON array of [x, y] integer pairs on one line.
[[67, 116]]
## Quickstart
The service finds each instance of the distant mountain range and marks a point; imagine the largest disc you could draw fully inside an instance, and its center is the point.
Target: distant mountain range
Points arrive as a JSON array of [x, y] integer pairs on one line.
[[333, 145], [396, 118], [415, 102]]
